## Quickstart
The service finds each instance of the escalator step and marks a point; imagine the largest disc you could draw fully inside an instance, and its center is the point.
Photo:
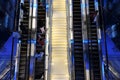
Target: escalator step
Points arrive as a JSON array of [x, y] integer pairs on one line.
[[39, 65], [78, 51], [75, 26], [78, 46], [77, 36], [76, 12]]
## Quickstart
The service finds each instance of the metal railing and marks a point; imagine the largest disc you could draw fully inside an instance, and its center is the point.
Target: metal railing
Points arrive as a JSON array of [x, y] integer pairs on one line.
[[48, 38], [7, 71], [70, 37], [99, 37], [112, 70]]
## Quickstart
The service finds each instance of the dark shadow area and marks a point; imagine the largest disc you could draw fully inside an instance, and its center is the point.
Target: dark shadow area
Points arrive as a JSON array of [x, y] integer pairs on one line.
[[7, 9]]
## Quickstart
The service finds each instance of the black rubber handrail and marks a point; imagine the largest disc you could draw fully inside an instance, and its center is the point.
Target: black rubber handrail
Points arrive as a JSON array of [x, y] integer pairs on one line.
[[16, 22], [102, 24]]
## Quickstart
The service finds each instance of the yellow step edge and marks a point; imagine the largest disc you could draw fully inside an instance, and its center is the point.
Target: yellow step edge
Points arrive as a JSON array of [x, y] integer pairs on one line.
[[59, 9], [60, 32], [59, 21], [55, 41], [58, 46], [58, 59], [59, 38], [59, 28], [61, 52], [59, 35], [63, 43], [53, 53], [59, 3]]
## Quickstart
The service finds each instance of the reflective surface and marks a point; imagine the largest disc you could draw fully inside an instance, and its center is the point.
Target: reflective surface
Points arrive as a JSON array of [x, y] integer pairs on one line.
[[59, 61]]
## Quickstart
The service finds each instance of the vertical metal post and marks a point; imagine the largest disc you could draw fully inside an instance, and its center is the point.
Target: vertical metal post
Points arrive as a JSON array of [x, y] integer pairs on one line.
[[101, 22], [47, 39], [84, 14], [99, 39], [70, 38], [16, 24], [17, 61], [70, 19], [33, 27], [29, 39], [12, 54]]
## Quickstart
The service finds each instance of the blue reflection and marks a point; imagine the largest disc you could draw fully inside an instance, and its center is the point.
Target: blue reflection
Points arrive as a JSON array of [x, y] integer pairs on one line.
[[83, 5], [32, 41], [46, 41], [85, 41], [99, 40], [103, 70], [96, 2], [35, 5], [47, 6], [71, 41], [19, 41], [73, 59]]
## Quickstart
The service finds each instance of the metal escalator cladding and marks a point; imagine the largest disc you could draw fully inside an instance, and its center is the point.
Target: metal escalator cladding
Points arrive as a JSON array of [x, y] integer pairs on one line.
[[22, 74], [59, 67], [95, 73], [39, 64], [78, 45]]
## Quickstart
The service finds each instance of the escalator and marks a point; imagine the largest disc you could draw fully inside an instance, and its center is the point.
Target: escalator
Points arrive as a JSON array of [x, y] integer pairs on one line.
[[78, 45], [23, 62], [94, 55], [58, 63], [39, 64]]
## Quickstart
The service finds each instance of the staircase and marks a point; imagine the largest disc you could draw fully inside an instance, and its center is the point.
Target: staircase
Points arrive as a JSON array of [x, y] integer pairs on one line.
[[23, 63], [59, 55], [39, 65], [95, 72], [78, 45]]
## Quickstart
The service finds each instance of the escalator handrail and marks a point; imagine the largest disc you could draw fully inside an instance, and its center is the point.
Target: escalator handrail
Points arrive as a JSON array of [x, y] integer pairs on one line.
[[48, 38], [112, 70], [69, 38], [102, 24], [4, 73], [7, 69], [16, 22]]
